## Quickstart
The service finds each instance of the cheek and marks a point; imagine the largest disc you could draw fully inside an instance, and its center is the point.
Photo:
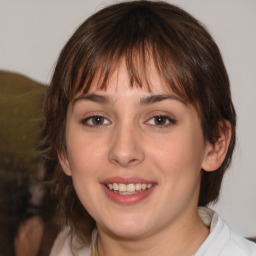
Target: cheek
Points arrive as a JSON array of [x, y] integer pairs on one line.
[[178, 155], [178, 161], [86, 159], [85, 153]]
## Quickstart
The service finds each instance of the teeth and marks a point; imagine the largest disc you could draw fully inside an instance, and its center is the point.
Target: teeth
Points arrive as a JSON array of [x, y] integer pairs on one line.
[[115, 186], [122, 188], [130, 188], [138, 186], [143, 186]]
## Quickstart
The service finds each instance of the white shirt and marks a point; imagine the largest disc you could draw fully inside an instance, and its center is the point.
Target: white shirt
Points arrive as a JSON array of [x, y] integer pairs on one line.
[[221, 241]]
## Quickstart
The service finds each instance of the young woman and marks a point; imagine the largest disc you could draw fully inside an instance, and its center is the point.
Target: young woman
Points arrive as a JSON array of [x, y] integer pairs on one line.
[[139, 130]]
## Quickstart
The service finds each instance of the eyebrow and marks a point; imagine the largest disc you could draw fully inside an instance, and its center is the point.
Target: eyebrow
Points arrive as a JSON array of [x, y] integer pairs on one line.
[[148, 100], [94, 98]]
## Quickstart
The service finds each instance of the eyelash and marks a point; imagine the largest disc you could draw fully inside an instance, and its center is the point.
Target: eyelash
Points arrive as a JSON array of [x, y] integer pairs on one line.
[[86, 121], [165, 118]]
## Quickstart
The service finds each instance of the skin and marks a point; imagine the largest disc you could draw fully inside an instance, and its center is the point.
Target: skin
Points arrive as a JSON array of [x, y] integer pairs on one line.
[[130, 143], [29, 237]]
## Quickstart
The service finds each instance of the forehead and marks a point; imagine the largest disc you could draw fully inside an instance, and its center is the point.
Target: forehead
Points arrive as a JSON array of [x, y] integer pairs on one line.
[[119, 88], [119, 82]]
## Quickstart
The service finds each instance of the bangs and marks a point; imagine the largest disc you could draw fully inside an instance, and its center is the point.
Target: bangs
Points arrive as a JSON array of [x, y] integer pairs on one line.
[[139, 61], [141, 40], [136, 60]]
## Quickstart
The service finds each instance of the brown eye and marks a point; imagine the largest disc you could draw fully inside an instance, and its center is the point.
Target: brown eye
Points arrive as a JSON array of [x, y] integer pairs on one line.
[[95, 121], [161, 121]]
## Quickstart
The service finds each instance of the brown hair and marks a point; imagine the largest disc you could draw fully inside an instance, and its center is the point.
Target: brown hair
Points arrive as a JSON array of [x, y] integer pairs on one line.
[[185, 56]]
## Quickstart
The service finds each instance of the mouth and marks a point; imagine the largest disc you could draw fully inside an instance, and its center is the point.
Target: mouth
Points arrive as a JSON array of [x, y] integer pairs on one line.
[[128, 189]]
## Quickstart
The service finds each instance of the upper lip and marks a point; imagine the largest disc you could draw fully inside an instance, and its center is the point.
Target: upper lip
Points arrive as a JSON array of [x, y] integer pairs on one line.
[[130, 180]]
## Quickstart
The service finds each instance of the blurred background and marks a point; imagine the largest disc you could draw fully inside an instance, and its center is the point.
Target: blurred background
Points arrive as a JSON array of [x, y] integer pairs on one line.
[[32, 34]]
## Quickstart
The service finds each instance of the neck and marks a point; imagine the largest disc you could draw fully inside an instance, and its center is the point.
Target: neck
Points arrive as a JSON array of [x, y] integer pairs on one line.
[[182, 238]]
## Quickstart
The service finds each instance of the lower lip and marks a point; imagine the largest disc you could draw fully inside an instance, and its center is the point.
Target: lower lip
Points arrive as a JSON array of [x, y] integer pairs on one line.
[[127, 199]]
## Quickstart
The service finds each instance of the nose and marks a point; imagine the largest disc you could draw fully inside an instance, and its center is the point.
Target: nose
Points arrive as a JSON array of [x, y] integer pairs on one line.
[[126, 147]]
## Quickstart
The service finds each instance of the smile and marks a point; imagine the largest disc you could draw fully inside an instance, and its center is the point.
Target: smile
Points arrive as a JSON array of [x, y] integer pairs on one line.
[[127, 189]]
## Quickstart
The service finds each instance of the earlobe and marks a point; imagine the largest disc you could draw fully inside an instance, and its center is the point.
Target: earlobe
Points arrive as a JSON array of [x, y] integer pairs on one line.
[[64, 162], [216, 152]]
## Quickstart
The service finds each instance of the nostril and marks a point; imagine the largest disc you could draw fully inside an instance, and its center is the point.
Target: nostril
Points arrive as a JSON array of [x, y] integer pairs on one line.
[[133, 160]]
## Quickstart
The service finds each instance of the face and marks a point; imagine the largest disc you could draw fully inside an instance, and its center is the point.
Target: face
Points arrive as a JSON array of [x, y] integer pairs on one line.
[[134, 156]]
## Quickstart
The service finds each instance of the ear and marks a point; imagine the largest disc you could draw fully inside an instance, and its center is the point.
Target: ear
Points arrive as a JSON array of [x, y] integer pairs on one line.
[[64, 162], [216, 152]]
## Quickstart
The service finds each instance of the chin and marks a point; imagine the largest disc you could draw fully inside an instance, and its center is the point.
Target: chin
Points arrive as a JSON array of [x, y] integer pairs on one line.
[[127, 229]]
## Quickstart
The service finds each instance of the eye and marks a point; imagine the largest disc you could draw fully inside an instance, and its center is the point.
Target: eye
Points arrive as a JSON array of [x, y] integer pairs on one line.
[[95, 121], [161, 120]]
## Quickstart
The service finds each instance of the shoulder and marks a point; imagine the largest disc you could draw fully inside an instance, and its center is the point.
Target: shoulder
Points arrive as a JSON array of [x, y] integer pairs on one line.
[[62, 244], [223, 241], [238, 245]]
